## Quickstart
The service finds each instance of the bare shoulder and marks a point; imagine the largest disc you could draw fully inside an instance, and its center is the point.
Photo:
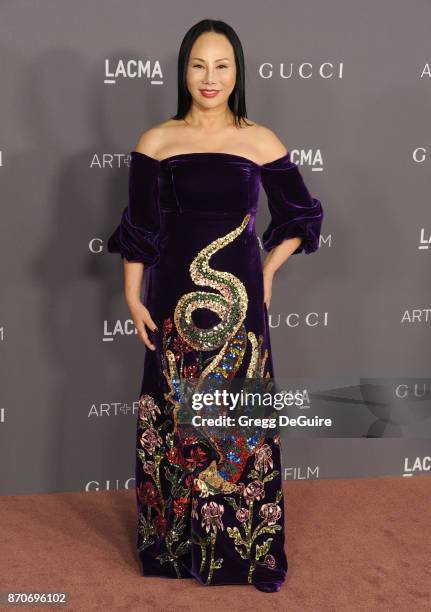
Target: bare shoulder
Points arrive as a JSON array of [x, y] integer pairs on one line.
[[269, 144], [152, 141]]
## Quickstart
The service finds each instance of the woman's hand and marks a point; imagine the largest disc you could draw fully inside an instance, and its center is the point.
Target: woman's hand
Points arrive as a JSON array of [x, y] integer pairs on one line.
[[267, 287], [141, 318]]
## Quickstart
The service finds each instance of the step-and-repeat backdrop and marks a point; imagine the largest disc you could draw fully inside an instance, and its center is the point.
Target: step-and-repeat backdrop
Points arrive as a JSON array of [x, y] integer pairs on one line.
[[347, 87]]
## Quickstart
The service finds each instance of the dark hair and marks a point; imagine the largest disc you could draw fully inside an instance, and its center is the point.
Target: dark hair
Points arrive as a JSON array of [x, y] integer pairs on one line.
[[236, 99]]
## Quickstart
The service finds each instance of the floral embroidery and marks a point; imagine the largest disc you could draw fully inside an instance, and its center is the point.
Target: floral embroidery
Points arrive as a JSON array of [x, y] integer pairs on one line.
[[212, 513], [246, 539], [148, 408], [180, 460], [264, 458]]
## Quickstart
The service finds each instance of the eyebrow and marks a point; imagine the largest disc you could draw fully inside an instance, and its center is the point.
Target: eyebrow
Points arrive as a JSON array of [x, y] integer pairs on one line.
[[217, 60]]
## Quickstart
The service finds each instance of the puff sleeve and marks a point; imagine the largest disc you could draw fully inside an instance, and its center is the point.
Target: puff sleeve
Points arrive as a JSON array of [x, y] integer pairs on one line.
[[136, 238], [294, 212]]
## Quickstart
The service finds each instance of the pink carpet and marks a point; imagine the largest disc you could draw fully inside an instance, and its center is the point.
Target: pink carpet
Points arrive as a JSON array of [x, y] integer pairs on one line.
[[354, 544]]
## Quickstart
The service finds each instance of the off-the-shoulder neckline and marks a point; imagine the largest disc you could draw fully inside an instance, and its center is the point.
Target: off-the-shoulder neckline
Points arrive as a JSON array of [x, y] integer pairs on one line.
[[286, 157]]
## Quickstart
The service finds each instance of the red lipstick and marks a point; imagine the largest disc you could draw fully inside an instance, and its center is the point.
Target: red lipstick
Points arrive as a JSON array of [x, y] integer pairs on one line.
[[209, 93]]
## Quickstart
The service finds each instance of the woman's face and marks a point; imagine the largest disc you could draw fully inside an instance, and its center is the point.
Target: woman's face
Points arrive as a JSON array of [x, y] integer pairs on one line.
[[211, 71]]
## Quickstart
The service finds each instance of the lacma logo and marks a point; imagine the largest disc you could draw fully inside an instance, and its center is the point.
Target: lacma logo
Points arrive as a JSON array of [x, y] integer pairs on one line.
[[418, 465], [313, 159], [424, 240], [121, 328], [133, 69]]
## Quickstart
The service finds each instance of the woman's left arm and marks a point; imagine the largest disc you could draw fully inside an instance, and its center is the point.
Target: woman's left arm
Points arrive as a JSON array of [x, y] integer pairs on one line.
[[296, 217], [274, 260]]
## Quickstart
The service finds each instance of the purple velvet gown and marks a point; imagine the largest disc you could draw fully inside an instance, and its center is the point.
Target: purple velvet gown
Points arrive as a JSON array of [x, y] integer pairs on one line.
[[212, 509]]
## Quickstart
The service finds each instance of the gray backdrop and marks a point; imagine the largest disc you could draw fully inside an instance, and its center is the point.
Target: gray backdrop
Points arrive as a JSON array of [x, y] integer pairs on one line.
[[347, 87]]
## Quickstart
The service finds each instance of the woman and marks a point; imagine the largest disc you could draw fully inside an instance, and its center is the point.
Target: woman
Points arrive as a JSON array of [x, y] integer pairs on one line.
[[210, 503]]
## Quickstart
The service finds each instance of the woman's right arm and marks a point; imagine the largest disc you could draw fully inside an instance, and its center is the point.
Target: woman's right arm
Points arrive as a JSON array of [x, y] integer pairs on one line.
[[133, 277], [136, 237]]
